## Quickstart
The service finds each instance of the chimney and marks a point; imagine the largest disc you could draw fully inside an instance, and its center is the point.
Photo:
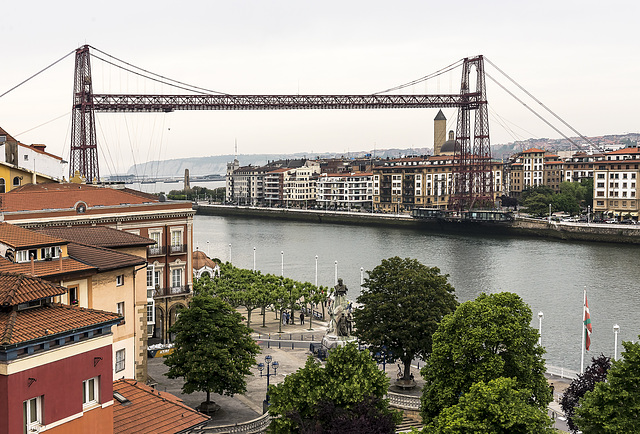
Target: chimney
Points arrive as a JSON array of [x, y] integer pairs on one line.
[[39, 147]]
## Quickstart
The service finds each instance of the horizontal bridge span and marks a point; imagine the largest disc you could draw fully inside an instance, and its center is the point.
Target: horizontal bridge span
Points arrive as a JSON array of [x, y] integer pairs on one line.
[[169, 103]]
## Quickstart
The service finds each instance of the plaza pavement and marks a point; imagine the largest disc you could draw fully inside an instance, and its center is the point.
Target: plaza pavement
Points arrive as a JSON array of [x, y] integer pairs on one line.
[[248, 406]]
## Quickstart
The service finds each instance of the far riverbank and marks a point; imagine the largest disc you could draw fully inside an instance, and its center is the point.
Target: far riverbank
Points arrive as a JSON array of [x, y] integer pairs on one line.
[[522, 226]]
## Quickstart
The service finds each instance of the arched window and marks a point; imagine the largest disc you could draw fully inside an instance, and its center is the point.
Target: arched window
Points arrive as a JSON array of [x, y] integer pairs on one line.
[[2, 190], [16, 181]]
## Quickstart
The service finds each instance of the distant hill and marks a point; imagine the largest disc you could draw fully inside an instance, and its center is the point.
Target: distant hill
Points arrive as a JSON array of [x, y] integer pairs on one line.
[[217, 164]]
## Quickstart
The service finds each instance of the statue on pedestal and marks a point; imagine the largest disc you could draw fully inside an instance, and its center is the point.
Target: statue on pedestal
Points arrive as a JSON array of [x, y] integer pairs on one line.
[[341, 323]]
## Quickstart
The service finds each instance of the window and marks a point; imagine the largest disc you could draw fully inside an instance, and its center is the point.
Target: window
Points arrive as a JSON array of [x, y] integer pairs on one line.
[[151, 312], [176, 277], [120, 308], [120, 280], [50, 253], [90, 392], [73, 295], [32, 414], [157, 237], [176, 238], [120, 358], [2, 185], [22, 256], [16, 181]]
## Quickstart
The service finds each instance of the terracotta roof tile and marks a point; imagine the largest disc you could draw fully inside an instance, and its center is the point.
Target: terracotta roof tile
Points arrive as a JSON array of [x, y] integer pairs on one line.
[[46, 268], [151, 411], [19, 288], [20, 238], [100, 236], [31, 197], [200, 259], [103, 259], [20, 326], [533, 150], [625, 151]]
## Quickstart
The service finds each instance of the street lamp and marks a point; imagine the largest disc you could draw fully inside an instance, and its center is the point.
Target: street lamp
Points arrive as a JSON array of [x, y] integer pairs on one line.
[[549, 213], [282, 263], [540, 316], [616, 329], [361, 277], [316, 270], [336, 277], [208, 254], [268, 364], [229, 252], [254, 259]]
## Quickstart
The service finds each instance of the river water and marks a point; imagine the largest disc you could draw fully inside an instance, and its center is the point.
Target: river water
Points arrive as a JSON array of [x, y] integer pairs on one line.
[[549, 275]]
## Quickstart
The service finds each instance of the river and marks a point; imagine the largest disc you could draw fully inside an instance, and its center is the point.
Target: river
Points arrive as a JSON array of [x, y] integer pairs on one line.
[[549, 275]]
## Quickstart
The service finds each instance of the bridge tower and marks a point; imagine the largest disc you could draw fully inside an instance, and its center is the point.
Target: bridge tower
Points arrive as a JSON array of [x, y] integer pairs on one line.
[[84, 151], [472, 172]]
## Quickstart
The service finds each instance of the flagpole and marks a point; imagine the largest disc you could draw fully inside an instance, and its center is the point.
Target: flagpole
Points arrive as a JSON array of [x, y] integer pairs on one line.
[[584, 303]]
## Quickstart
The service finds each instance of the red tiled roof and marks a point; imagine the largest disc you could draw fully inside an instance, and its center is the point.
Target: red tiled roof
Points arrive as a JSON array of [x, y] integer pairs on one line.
[[46, 268], [103, 259], [20, 238], [39, 150], [19, 288], [100, 236], [532, 150], [151, 411], [19, 326], [553, 162], [625, 151], [32, 197]]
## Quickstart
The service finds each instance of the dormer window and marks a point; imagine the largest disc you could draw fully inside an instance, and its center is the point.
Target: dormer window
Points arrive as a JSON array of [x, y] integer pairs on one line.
[[50, 253]]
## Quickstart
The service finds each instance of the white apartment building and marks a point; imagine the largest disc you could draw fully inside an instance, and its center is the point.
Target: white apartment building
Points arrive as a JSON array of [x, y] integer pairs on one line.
[[345, 190]]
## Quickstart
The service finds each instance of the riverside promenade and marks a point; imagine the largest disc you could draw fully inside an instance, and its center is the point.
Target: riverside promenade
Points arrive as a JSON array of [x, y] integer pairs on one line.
[[291, 350]]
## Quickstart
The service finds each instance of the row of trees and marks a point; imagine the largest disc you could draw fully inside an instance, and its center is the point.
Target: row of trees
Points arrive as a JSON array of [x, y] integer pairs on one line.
[[198, 193], [572, 198], [254, 290]]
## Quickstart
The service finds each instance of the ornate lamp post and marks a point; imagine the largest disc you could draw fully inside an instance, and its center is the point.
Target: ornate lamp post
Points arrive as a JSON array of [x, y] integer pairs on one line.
[[616, 329], [268, 363]]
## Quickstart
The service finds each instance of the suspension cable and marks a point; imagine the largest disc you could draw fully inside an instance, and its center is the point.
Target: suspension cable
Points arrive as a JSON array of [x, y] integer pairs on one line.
[[543, 106], [152, 73], [38, 73], [530, 109], [425, 78]]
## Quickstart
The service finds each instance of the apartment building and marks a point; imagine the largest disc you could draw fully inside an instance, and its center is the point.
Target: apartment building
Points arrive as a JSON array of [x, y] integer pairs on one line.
[[403, 184], [55, 360], [345, 190], [616, 183], [169, 224]]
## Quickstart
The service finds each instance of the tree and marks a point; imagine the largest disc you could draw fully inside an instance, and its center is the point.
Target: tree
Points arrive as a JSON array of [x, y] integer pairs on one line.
[[349, 378], [402, 303], [494, 407], [482, 340], [213, 350], [585, 382], [614, 405]]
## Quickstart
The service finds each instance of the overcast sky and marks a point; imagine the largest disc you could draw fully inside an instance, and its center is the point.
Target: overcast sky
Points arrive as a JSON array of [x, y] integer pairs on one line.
[[580, 58]]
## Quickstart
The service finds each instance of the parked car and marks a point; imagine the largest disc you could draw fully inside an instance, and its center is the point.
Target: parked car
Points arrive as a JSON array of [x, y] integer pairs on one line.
[[628, 222]]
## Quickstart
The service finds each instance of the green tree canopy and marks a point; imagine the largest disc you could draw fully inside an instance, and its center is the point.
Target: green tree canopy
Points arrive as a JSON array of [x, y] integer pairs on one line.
[[482, 340], [349, 378], [495, 407], [213, 349], [402, 303], [614, 405]]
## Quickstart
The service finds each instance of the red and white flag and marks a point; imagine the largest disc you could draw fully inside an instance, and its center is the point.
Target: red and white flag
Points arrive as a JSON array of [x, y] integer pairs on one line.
[[587, 324]]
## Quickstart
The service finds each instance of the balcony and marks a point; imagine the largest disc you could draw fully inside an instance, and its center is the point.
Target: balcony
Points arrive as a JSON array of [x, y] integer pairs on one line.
[[177, 248], [156, 250], [169, 292]]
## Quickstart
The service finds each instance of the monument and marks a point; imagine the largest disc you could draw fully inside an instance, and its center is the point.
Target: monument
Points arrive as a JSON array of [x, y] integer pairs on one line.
[[341, 321]]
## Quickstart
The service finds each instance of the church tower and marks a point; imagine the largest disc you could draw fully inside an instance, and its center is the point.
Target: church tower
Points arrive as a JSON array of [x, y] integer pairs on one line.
[[439, 132]]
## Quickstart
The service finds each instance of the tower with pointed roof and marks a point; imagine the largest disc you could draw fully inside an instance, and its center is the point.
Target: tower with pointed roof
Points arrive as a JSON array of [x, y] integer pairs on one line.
[[439, 132]]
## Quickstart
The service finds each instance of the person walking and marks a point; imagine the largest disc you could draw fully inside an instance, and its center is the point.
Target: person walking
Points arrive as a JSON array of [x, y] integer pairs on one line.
[[301, 317]]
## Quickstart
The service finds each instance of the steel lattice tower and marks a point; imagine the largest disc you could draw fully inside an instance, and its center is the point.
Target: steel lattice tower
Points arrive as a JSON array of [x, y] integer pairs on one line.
[[84, 151], [472, 175]]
